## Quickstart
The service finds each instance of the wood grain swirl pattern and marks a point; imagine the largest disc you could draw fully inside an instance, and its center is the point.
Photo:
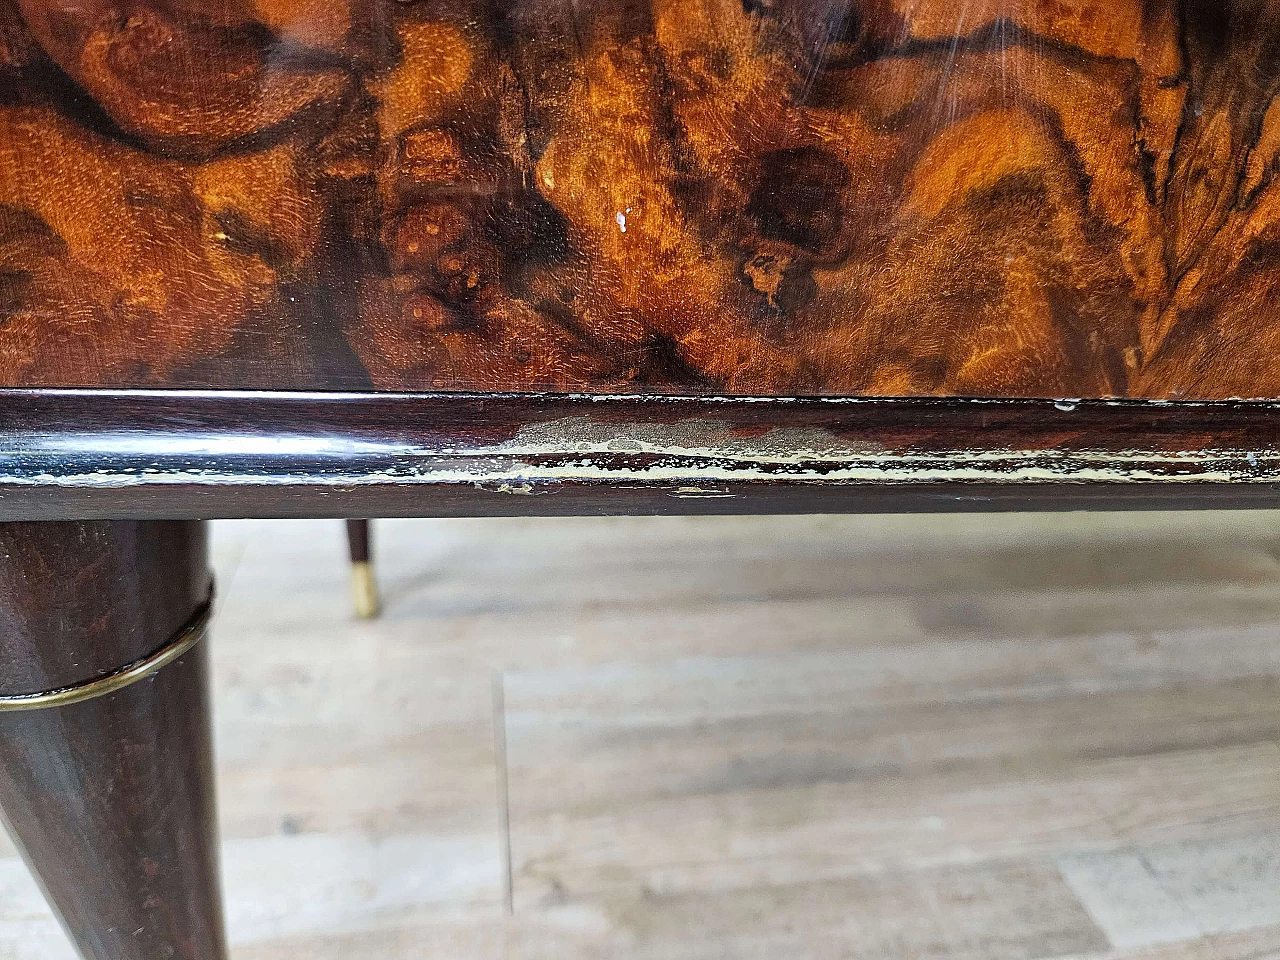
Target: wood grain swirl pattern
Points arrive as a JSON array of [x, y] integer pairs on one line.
[[1003, 198]]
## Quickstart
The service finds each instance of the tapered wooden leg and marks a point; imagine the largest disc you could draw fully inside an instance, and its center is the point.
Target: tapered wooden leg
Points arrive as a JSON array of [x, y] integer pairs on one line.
[[111, 800], [364, 585]]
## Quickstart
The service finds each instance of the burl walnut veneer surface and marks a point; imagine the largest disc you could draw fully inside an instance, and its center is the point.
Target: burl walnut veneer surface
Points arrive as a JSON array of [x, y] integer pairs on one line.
[[1004, 198]]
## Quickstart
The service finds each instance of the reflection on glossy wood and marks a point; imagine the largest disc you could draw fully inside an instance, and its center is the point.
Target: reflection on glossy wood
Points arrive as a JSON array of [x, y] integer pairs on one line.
[[97, 454], [880, 197]]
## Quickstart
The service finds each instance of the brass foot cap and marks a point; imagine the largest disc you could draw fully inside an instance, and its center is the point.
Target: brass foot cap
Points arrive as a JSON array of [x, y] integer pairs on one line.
[[364, 590]]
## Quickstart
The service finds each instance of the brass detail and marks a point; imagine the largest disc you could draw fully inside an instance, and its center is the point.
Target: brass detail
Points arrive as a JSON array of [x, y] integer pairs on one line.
[[364, 590], [186, 638]]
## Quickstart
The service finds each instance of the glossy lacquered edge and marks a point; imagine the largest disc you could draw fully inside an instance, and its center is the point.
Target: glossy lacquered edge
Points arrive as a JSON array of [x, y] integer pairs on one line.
[[87, 454]]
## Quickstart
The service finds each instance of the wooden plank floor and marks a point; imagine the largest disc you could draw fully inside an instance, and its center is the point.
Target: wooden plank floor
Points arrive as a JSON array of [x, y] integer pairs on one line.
[[975, 737]]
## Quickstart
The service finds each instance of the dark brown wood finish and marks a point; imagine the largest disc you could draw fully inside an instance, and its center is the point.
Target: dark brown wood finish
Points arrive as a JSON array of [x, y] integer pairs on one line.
[[93, 454], [358, 540], [1002, 198], [111, 800], [579, 257]]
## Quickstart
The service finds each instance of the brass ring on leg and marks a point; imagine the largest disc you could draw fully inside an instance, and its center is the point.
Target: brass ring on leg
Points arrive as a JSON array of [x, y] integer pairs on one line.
[[186, 638]]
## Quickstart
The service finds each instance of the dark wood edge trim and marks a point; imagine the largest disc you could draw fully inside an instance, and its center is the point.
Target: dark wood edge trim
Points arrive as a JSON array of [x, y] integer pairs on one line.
[[136, 453]]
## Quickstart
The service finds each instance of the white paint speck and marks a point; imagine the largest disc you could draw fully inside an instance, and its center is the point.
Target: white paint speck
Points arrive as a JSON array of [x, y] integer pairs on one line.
[[622, 220]]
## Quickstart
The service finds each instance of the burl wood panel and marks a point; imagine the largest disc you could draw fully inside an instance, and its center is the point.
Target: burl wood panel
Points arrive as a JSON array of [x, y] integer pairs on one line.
[[1007, 198]]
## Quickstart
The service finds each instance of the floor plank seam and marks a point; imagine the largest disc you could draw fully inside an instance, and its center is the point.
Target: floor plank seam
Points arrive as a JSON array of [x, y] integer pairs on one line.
[[504, 792]]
